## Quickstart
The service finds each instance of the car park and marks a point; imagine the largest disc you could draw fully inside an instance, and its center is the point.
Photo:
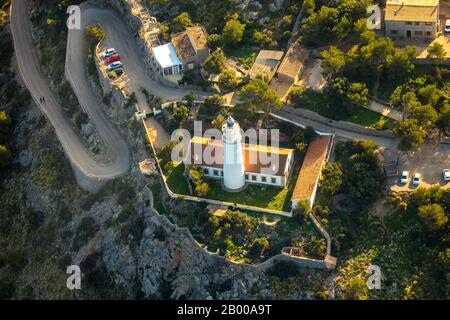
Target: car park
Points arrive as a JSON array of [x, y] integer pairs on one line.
[[115, 65], [108, 52], [405, 177], [113, 58], [446, 174], [416, 180]]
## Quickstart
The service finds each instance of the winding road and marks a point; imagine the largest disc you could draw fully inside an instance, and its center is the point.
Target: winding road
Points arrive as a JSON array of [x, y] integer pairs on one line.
[[117, 35], [117, 159]]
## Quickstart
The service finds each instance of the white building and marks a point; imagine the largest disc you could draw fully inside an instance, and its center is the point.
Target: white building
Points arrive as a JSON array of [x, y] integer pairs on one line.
[[166, 61], [238, 163]]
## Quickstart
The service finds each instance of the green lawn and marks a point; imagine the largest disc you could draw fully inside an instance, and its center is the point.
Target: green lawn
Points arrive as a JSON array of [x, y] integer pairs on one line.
[[177, 181], [253, 195], [317, 102], [245, 53]]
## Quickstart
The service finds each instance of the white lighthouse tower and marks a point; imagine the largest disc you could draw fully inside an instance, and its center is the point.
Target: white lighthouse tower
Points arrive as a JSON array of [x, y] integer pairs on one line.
[[233, 162]]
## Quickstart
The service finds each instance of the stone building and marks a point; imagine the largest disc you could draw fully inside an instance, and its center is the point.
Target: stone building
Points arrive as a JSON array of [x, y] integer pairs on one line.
[[417, 19]]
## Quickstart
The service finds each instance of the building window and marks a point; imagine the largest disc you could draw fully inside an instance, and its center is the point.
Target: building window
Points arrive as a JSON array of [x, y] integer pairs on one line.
[[263, 179], [274, 180], [417, 23], [428, 33], [409, 23], [253, 177], [205, 171], [394, 31], [428, 23], [221, 173], [216, 172], [246, 176], [418, 33]]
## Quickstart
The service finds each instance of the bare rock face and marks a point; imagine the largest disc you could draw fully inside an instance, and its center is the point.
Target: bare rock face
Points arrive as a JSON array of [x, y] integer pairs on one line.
[[169, 264]]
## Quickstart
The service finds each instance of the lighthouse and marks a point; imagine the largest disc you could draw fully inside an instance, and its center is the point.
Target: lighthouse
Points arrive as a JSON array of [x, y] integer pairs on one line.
[[233, 162]]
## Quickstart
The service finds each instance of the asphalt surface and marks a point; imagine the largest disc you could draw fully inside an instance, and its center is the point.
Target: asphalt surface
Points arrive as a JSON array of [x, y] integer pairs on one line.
[[325, 129], [116, 162], [119, 37]]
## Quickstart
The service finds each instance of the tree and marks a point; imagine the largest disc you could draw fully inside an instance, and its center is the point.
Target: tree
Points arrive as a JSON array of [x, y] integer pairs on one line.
[[258, 247], [333, 61], [317, 29], [228, 79], [332, 178], [356, 289], [214, 41], [181, 22], [258, 96], [410, 132], [426, 116], [433, 216], [212, 105], [364, 179], [443, 122], [401, 63], [219, 120], [180, 114], [215, 63], [233, 32], [430, 94], [5, 122], [436, 53], [302, 211], [202, 189], [189, 98], [297, 96], [346, 94]]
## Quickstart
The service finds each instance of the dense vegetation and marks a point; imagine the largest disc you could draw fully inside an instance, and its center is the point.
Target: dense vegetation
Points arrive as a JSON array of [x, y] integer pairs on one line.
[[230, 25], [241, 236], [405, 235]]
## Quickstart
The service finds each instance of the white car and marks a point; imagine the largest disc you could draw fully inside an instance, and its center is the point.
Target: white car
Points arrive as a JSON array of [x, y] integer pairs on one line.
[[115, 65], [404, 178], [447, 26], [446, 174], [416, 179], [108, 52]]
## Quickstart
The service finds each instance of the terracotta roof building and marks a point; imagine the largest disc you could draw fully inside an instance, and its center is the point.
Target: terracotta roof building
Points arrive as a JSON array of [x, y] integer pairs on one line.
[[309, 176], [191, 45], [412, 18], [208, 154]]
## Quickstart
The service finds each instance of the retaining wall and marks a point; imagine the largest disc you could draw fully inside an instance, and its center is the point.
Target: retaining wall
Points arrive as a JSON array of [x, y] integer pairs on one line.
[[343, 125]]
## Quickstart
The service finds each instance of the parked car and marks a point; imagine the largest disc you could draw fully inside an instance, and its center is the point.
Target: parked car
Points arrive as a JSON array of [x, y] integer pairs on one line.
[[405, 177], [108, 52], [446, 174], [115, 65], [114, 57], [447, 26], [416, 180]]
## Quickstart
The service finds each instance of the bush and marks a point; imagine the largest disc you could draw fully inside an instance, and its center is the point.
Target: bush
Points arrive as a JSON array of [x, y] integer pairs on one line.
[[7, 286]]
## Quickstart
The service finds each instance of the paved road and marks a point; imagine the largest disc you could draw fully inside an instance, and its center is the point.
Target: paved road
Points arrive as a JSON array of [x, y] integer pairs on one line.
[[117, 160], [325, 129], [119, 37]]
